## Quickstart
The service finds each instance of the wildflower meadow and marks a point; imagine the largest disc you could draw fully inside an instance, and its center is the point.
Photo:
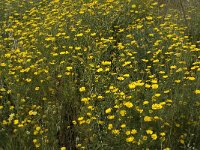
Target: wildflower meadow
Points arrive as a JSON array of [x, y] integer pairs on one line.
[[99, 75]]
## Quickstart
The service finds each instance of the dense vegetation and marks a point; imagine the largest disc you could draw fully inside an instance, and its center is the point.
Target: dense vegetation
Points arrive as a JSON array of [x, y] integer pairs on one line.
[[99, 74]]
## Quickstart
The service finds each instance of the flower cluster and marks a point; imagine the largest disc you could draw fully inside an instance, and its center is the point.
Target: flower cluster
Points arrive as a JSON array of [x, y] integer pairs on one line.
[[109, 74]]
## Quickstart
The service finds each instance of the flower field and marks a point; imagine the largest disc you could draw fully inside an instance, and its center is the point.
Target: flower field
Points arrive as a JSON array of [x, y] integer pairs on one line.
[[99, 75]]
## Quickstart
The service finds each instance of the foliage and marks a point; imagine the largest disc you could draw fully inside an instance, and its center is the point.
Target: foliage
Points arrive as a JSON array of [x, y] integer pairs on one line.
[[92, 74]]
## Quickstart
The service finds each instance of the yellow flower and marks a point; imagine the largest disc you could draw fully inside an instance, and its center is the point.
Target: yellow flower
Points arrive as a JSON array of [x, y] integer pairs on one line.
[[144, 138], [139, 84], [166, 91], [91, 107], [156, 118], [20, 125], [107, 69], [157, 95], [85, 100], [4, 122], [74, 122], [165, 76], [28, 80], [106, 62], [93, 34], [12, 107], [147, 86], [80, 34], [99, 70], [34, 140], [123, 126], [69, 68], [37, 128], [2, 64], [50, 38], [147, 119], [149, 131], [169, 101], [128, 104], [108, 110], [77, 48], [162, 134], [37, 88], [63, 148], [145, 102], [122, 112], [44, 98], [82, 89], [156, 106], [181, 141], [132, 85], [167, 148], [111, 117], [173, 67], [32, 113], [154, 86], [149, 18], [110, 126], [133, 6], [80, 118], [191, 78], [100, 122], [35, 132], [128, 132], [115, 131], [177, 81], [120, 78], [16, 122], [100, 97], [126, 75], [120, 45], [130, 139], [154, 136], [134, 131], [197, 91], [154, 81]]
